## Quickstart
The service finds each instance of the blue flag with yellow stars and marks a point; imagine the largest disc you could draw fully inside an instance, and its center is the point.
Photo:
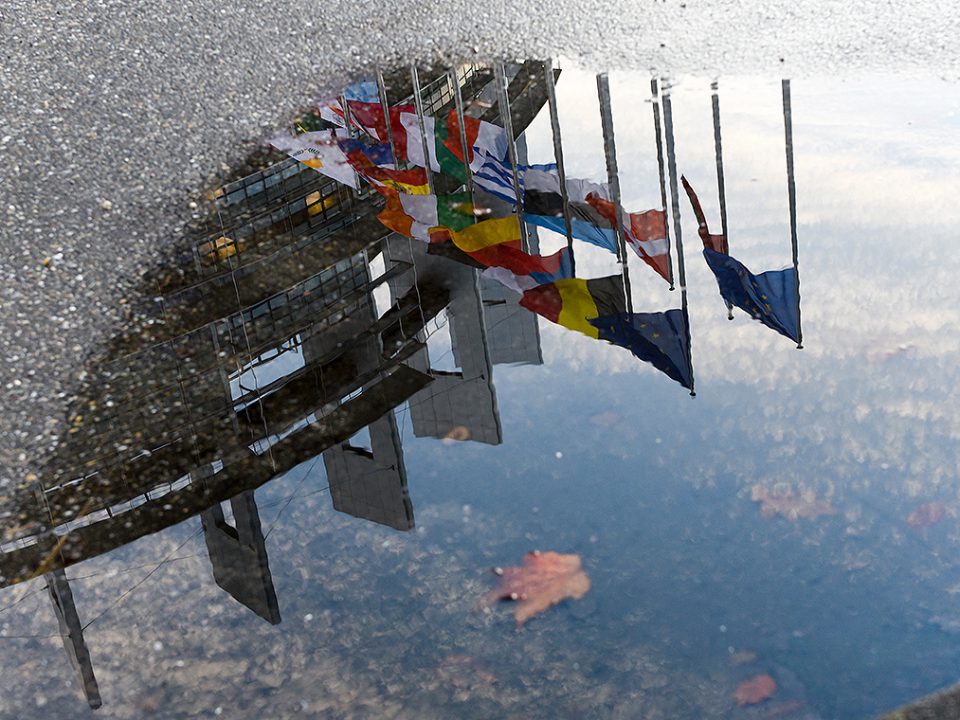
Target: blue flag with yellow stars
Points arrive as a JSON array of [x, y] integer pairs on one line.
[[771, 297], [660, 339]]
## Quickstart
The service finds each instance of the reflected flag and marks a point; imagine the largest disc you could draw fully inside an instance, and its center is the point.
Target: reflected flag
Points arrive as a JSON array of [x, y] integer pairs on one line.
[[482, 235], [520, 271], [375, 165], [331, 111], [492, 243], [483, 138], [495, 175], [417, 216], [717, 243], [369, 117], [645, 233], [363, 91], [661, 339], [593, 217], [444, 152], [772, 297], [321, 151], [357, 95], [579, 228], [543, 206], [574, 302]]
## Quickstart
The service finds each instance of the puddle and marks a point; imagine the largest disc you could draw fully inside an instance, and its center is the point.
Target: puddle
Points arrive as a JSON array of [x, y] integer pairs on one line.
[[371, 380]]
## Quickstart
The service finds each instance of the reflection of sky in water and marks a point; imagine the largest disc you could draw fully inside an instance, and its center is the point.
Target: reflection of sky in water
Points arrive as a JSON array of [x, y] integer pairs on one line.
[[863, 414], [603, 456]]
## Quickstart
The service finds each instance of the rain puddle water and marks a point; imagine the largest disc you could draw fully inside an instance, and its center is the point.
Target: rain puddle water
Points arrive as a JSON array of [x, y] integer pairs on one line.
[[371, 381]]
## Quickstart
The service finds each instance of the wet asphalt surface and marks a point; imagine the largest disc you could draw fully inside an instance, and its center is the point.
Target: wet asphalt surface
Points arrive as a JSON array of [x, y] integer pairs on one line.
[[114, 117]]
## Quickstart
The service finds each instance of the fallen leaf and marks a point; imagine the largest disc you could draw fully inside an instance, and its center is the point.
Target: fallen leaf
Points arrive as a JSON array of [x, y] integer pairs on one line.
[[927, 514], [789, 505], [545, 579], [755, 690]]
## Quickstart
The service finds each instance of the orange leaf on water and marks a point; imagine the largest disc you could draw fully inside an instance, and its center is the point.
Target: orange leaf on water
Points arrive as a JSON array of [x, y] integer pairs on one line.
[[755, 690], [789, 505], [545, 579]]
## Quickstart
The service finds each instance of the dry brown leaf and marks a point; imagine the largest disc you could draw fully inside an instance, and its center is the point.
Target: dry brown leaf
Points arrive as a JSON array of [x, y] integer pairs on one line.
[[788, 504], [545, 579]]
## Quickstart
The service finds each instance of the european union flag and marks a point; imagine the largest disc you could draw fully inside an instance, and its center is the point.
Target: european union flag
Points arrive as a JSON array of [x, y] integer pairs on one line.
[[771, 297], [660, 339]]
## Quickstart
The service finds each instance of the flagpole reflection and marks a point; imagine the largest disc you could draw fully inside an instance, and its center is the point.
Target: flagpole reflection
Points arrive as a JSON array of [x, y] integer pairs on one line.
[[352, 131], [464, 147], [718, 151], [385, 105], [418, 102], [610, 152], [675, 201], [503, 101], [674, 189], [558, 155], [655, 90], [721, 188], [792, 193]]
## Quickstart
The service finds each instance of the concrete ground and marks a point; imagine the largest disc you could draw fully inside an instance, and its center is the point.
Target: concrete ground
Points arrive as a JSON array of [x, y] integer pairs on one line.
[[114, 115]]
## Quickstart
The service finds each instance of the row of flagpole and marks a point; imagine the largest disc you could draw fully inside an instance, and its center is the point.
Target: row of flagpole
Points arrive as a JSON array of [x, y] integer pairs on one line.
[[660, 101], [721, 188], [791, 192], [550, 83], [677, 229]]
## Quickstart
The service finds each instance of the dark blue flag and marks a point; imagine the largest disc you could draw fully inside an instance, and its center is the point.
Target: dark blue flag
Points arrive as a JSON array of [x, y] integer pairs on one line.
[[379, 154], [660, 339], [771, 297]]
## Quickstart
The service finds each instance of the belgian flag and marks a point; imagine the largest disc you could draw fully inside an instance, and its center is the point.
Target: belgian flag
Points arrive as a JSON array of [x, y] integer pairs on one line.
[[574, 302]]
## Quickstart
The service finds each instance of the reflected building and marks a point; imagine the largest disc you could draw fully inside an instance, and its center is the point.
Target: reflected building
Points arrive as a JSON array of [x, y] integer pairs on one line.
[[238, 555], [264, 349], [71, 630], [462, 402], [372, 484]]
